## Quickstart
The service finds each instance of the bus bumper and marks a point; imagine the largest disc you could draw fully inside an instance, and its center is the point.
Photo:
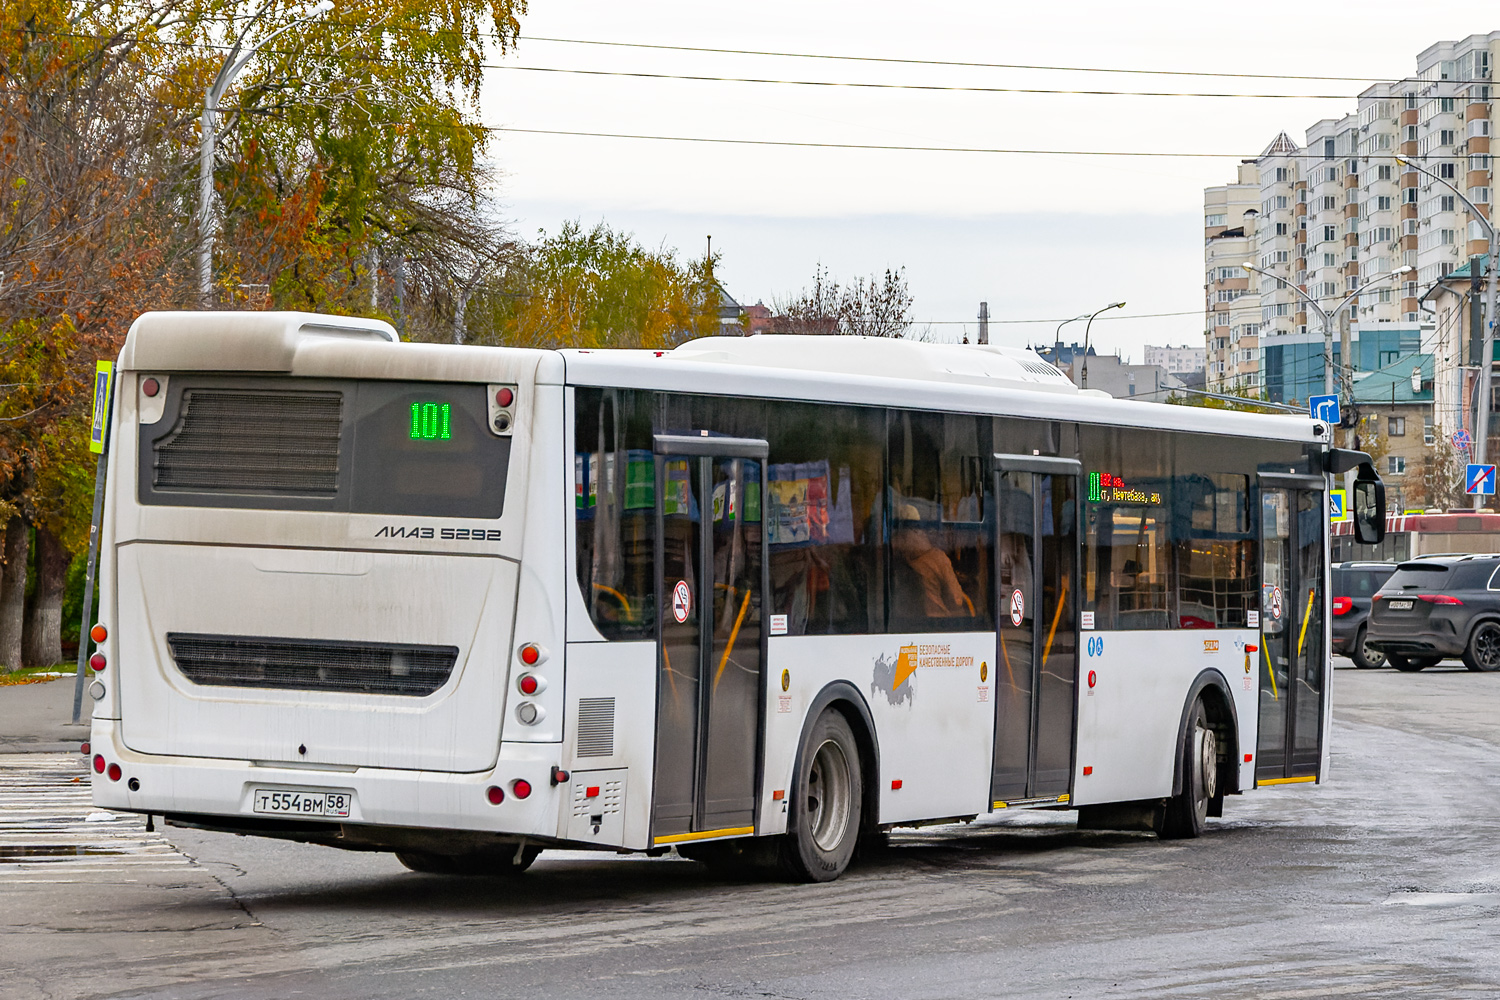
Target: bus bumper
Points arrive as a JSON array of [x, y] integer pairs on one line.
[[212, 789]]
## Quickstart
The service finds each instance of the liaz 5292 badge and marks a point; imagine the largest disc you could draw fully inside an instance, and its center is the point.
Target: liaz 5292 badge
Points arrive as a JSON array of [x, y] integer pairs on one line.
[[452, 534]]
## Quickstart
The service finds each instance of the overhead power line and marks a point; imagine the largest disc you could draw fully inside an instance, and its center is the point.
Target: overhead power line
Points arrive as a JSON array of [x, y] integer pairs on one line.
[[861, 145], [945, 62], [908, 86]]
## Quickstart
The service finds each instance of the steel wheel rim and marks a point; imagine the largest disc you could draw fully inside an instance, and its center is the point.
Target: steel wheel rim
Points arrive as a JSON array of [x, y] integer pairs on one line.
[[1208, 754], [828, 796], [1370, 655]]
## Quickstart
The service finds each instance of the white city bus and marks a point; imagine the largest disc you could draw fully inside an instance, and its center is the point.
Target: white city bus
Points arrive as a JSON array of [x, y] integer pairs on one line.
[[752, 598]]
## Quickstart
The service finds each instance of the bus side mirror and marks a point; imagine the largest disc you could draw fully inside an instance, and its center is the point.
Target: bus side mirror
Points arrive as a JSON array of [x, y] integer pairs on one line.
[[1368, 508]]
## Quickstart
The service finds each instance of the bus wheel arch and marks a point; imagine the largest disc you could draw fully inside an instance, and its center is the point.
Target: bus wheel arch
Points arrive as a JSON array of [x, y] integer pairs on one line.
[[836, 716], [1208, 705]]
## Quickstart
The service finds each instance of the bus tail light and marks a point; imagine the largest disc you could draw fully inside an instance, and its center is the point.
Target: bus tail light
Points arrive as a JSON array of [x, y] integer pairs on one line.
[[530, 684], [1342, 605], [1439, 599], [98, 633], [520, 788], [115, 772], [97, 662], [530, 713], [495, 794], [533, 655], [98, 763]]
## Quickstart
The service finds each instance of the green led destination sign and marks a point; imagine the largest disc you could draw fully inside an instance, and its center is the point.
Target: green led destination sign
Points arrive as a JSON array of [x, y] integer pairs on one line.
[[431, 421], [1107, 488]]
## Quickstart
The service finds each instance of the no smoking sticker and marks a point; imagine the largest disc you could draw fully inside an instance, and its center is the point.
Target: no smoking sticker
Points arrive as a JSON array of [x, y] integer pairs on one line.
[[682, 601], [1017, 607], [1275, 604]]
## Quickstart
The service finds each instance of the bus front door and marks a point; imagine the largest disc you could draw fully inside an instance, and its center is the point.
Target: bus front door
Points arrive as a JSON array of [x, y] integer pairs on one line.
[[710, 561], [1293, 662], [1036, 662]]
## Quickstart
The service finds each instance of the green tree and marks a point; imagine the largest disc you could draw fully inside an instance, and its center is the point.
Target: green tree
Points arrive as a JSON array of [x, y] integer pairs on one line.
[[595, 288]]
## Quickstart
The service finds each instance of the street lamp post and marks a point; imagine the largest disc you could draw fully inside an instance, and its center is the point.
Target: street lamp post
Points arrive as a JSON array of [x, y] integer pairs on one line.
[[1326, 318], [234, 63], [1487, 344], [1083, 380]]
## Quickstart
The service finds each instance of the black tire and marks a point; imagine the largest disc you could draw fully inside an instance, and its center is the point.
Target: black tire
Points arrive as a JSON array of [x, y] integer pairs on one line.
[[827, 800], [1483, 651], [1363, 655], [489, 863], [1186, 813], [1409, 664]]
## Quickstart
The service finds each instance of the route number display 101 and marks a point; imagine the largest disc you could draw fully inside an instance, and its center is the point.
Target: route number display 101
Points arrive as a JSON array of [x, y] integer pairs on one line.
[[431, 421]]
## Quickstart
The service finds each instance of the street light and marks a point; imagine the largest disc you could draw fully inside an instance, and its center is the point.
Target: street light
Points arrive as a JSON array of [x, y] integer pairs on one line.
[[1083, 380], [234, 63], [1487, 349], [1326, 318]]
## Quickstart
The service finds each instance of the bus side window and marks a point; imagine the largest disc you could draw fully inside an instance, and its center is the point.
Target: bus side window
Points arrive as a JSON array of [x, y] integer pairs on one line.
[[614, 479], [823, 518]]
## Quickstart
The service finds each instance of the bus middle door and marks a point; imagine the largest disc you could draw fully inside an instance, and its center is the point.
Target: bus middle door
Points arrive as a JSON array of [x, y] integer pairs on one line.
[[710, 566], [1293, 681], [1036, 664]]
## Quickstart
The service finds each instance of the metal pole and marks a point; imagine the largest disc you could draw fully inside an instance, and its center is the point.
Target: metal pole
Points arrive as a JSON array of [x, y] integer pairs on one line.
[[1486, 362], [205, 199], [88, 584]]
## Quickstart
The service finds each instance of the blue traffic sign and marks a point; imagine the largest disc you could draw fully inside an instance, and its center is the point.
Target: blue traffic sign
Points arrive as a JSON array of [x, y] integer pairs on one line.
[[1325, 408], [1479, 479], [1461, 439]]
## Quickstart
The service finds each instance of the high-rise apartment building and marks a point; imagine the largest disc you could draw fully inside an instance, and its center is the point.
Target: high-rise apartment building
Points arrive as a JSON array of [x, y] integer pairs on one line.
[[1340, 211], [1232, 317]]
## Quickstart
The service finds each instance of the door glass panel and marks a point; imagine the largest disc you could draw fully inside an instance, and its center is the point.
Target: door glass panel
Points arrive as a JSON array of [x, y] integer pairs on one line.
[[680, 649], [1015, 617], [1275, 661], [1307, 699], [732, 681], [1057, 657]]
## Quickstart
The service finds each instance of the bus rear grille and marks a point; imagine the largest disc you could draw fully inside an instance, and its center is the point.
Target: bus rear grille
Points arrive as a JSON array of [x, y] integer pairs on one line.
[[596, 727], [312, 664], [241, 441]]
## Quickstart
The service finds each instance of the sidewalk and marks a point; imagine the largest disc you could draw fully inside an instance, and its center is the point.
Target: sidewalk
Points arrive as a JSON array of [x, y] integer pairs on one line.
[[36, 718]]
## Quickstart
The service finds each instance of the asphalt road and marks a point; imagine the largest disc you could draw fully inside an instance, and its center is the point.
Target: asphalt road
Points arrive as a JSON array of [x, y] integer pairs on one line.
[[1383, 882]]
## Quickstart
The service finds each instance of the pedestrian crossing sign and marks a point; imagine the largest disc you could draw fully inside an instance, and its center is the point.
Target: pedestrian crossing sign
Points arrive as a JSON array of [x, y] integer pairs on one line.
[[1338, 505]]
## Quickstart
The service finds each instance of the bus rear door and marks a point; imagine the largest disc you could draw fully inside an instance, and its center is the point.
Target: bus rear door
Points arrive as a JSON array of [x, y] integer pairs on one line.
[[710, 565]]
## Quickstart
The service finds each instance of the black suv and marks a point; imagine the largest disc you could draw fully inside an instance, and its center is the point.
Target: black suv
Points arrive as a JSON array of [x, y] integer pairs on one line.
[[1440, 606], [1354, 585]]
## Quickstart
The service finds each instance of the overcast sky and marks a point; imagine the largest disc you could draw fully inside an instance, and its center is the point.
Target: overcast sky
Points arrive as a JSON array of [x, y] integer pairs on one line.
[[1038, 237]]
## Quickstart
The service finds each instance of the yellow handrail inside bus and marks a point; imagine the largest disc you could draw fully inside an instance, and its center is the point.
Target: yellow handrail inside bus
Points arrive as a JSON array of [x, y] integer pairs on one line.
[[625, 601], [1306, 617], [733, 635], [1270, 667], [1062, 600]]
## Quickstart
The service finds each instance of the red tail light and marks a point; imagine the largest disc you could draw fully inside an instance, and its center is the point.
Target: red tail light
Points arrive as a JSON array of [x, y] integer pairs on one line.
[[1342, 605], [520, 788], [1439, 599], [98, 763], [115, 772], [531, 654], [495, 794], [98, 662], [528, 684]]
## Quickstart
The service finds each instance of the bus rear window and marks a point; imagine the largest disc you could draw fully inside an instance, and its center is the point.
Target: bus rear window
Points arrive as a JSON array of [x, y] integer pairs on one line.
[[413, 448]]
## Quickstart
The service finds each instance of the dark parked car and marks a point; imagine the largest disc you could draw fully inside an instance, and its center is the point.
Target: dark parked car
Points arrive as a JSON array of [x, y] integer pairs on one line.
[[1440, 606], [1354, 585]]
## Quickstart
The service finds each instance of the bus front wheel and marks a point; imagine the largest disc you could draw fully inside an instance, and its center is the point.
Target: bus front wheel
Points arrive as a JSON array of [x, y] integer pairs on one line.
[[828, 791], [1185, 813]]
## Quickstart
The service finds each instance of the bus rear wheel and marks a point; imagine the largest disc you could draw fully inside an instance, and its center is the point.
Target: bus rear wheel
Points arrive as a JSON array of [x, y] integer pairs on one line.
[[827, 797], [491, 863], [1186, 813]]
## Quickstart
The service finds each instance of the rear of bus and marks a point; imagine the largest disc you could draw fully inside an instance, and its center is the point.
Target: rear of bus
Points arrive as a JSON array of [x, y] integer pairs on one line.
[[317, 545]]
